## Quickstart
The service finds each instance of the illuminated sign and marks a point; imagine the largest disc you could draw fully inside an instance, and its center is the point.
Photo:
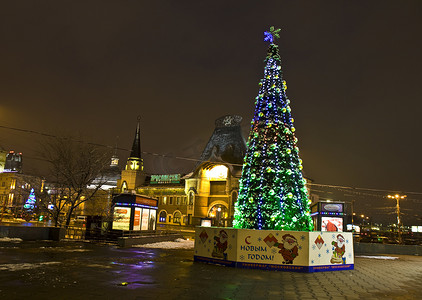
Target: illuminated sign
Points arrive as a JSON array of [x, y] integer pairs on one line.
[[331, 224], [332, 207], [206, 223], [169, 178], [121, 218], [416, 228], [146, 201], [354, 228]]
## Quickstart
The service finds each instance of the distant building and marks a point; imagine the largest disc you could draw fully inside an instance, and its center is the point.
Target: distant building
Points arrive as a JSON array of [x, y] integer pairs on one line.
[[13, 162], [14, 191], [3, 154], [108, 180]]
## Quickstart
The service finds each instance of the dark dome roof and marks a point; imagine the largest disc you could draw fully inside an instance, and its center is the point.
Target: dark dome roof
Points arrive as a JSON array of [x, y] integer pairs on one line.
[[227, 144]]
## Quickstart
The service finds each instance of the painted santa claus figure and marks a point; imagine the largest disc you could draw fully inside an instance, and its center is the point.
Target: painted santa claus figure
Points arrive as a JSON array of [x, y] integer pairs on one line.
[[220, 245], [288, 248], [339, 250]]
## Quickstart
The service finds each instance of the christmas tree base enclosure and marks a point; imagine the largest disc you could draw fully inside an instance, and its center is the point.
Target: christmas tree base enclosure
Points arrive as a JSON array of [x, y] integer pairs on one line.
[[294, 251]]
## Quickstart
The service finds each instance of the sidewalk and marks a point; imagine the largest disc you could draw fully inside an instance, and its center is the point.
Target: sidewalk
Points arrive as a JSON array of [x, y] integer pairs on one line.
[[74, 270]]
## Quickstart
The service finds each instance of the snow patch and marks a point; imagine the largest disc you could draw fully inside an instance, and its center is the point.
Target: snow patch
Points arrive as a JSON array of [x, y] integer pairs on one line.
[[11, 240], [378, 257], [177, 244], [61, 249], [25, 266]]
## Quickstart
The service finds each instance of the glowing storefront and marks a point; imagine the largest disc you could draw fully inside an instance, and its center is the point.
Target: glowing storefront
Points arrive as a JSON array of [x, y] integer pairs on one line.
[[134, 212]]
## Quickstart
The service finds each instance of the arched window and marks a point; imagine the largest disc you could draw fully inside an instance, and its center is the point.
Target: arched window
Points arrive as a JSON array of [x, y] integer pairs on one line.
[[124, 186], [177, 216], [218, 213], [163, 216], [234, 197], [191, 198]]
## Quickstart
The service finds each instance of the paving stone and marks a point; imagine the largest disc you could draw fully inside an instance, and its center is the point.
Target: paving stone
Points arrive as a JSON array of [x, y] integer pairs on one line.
[[171, 274]]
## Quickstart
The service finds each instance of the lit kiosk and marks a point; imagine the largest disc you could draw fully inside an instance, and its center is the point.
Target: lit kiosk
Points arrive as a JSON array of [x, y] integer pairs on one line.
[[328, 216], [134, 212], [272, 226]]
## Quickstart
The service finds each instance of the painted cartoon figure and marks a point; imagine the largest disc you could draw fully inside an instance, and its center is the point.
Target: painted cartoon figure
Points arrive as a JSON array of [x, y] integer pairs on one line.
[[330, 226], [288, 248], [339, 250], [220, 245]]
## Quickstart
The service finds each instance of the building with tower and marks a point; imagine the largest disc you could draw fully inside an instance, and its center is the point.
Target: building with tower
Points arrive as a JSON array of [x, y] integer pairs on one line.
[[207, 193], [213, 186], [133, 175]]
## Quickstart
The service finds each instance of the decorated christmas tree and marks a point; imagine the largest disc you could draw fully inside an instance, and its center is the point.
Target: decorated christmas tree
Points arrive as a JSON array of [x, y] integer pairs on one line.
[[272, 192], [30, 203]]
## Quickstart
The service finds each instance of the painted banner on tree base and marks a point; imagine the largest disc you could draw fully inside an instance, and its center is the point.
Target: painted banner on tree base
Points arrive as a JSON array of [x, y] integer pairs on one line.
[[297, 251]]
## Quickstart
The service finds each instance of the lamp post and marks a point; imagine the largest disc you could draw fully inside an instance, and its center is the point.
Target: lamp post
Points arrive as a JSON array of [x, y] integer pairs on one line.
[[398, 197]]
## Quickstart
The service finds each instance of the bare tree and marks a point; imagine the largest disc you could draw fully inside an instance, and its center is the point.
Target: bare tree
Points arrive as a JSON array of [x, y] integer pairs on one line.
[[76, 174]]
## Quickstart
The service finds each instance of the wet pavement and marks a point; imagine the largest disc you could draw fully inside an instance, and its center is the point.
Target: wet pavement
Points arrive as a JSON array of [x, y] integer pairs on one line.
[[76, 270]]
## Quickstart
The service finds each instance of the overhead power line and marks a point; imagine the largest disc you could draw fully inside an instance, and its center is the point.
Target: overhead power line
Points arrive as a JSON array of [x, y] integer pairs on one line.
[[340, 187]]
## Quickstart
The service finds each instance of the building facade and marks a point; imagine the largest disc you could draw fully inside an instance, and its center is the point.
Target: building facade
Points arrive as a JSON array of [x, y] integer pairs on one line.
[[209, 192], [14, 191]]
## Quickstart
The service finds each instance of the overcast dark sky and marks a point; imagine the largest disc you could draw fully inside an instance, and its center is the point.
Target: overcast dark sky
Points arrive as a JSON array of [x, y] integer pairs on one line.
[[353, 70]]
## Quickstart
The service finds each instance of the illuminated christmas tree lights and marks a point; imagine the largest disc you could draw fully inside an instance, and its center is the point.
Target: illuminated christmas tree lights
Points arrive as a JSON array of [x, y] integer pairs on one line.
[[30, 202], [272, 192]]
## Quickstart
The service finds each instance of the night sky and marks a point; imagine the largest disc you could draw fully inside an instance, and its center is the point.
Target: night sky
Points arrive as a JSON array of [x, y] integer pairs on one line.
[[89, 68]]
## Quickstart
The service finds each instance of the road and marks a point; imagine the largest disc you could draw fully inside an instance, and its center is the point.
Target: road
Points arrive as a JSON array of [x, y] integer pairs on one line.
[[80, 270]]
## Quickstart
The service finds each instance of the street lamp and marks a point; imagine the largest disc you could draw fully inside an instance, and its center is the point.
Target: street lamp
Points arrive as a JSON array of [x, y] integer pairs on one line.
[[398, 197]]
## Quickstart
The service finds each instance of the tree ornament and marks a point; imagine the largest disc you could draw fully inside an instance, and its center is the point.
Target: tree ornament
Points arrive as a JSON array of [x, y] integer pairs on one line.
[[270, 35]]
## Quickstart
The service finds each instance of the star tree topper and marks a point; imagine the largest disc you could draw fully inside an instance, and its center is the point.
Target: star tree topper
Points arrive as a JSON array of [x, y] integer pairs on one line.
[[270, 35]]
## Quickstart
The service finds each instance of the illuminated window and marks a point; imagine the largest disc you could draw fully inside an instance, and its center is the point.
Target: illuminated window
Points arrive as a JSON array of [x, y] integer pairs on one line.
[[218, 213], [177, 217], [163, 217], [184, 200], [217, 172], [165, 200], [124, 186], [191, 197]]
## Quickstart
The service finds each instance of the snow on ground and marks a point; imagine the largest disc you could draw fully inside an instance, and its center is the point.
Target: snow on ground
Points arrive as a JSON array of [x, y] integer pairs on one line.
[[25, 266], [378, 257], [12, 240], [61, 249], [177, 244]]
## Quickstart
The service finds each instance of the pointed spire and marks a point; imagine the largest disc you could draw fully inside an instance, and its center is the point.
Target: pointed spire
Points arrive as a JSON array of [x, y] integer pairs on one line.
[[136, 147], [135, 161]]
